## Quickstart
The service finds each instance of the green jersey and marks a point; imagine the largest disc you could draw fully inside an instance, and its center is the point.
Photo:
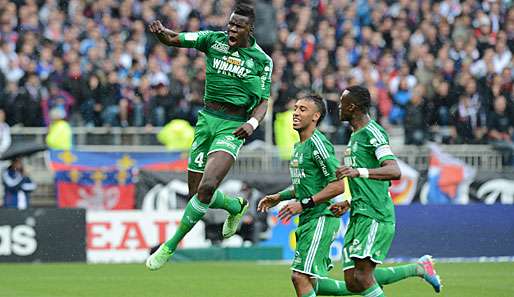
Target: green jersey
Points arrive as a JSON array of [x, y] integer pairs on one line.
[[368, 148], [239, 76], [313, 166]]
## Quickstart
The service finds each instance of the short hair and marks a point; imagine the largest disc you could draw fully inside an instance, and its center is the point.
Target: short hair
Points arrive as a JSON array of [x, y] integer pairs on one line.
[[245, 8], [360, 96], [320, 104]]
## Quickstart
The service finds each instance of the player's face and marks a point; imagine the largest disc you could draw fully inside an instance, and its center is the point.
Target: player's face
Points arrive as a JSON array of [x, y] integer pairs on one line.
[[345, 108], [305, 114], [238, 30]]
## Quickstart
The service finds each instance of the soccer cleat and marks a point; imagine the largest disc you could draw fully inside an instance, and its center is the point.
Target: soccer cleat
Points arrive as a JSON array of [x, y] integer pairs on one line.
[[429, 274], [159, 258], [232, 221]]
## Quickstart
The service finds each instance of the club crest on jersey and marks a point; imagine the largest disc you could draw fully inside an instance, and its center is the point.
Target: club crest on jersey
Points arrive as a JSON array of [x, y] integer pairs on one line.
[[250, 63], [220, 47], [294, 163]]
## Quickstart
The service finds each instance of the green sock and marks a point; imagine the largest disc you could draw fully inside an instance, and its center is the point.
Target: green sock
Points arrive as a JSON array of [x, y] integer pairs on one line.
[[228, 203], [193, 213], [331, 287], [373, 291], [312, 293], [389, 275]]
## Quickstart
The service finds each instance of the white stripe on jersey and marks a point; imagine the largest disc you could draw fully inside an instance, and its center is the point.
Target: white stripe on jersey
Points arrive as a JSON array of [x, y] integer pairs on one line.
[[320, 146]]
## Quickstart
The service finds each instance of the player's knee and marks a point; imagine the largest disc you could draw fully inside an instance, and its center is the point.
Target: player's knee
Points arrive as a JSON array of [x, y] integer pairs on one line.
[[362, 280], [206, 190], [351, 284], [299, 279]]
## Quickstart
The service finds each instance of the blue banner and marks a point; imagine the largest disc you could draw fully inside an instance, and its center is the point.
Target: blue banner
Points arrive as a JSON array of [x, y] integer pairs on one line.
[[448, 231]]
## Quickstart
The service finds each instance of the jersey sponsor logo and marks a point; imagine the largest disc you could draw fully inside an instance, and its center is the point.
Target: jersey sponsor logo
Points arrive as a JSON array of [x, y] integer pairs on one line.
[[220, 47], [233, 61], [235, 54], [226, 143], [230, 69], [322, 164], [296, 175]]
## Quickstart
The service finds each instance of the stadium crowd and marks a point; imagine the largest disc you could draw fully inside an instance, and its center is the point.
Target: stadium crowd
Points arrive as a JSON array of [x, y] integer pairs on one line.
[[443, 70]]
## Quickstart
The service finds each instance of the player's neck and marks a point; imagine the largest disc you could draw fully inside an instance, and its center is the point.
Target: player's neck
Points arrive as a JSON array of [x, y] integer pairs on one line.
[[360, 121], [307, 133]]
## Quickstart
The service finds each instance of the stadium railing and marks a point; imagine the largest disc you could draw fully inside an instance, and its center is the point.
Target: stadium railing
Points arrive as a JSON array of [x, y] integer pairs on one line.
[[263, 159]]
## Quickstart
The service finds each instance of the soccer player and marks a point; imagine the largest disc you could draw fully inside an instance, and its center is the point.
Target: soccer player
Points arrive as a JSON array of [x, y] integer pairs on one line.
[[313, 173], [370, 165], [237, 86]]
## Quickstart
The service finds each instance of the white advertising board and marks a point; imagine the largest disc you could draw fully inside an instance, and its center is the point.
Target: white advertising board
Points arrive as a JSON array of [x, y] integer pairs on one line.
[[127, 236]]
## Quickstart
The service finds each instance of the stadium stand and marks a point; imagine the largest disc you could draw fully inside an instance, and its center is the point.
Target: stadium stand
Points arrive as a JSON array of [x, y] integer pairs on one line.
[[434, 68]]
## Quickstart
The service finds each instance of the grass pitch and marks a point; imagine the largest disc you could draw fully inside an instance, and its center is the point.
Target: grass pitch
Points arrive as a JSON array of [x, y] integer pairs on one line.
[[225, 279]]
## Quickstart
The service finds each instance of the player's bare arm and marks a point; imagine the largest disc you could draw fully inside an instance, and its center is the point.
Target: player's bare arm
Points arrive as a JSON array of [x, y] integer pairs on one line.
[[389, 170], [332, 190], [258, 113], [268, 202], [165, 35], [272, 200]]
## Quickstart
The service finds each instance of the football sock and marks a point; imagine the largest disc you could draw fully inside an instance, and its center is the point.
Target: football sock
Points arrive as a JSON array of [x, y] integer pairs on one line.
[[195, 210], [331, 287], [226, 202], [373, 291], [389, 275], [312, 293]]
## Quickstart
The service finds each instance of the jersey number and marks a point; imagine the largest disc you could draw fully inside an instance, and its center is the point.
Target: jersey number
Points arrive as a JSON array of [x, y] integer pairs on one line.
[[199, 160]]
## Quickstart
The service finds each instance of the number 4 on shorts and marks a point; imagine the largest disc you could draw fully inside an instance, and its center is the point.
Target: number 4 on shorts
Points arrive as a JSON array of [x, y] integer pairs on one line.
[[199, 160]]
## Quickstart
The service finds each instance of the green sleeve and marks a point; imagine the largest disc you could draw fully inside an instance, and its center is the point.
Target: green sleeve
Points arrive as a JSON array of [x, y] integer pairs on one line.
[[199, 40], [266, 79]]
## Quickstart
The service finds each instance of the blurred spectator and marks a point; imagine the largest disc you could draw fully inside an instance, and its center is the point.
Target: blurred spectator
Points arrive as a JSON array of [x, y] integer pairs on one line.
[[5, 133], [29, 102], [469, 121], [160, 105], [17, 186], [254, 223], [500, 129], [416, 124], [59, 135]]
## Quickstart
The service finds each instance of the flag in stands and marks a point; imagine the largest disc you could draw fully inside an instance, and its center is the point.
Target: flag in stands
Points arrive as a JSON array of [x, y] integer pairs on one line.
[[448, 179], [403, 190], [105, 180]]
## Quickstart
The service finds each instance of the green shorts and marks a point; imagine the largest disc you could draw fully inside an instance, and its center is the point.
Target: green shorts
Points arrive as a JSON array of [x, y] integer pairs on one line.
[[366, 238], [212, 134], [313, 240]]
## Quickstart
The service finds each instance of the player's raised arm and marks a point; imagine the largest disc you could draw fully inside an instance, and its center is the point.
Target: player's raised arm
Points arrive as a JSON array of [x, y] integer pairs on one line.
[[165, 35]]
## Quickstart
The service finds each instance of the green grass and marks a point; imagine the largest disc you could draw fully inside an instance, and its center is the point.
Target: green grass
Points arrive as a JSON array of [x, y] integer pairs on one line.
[[225, 279]]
